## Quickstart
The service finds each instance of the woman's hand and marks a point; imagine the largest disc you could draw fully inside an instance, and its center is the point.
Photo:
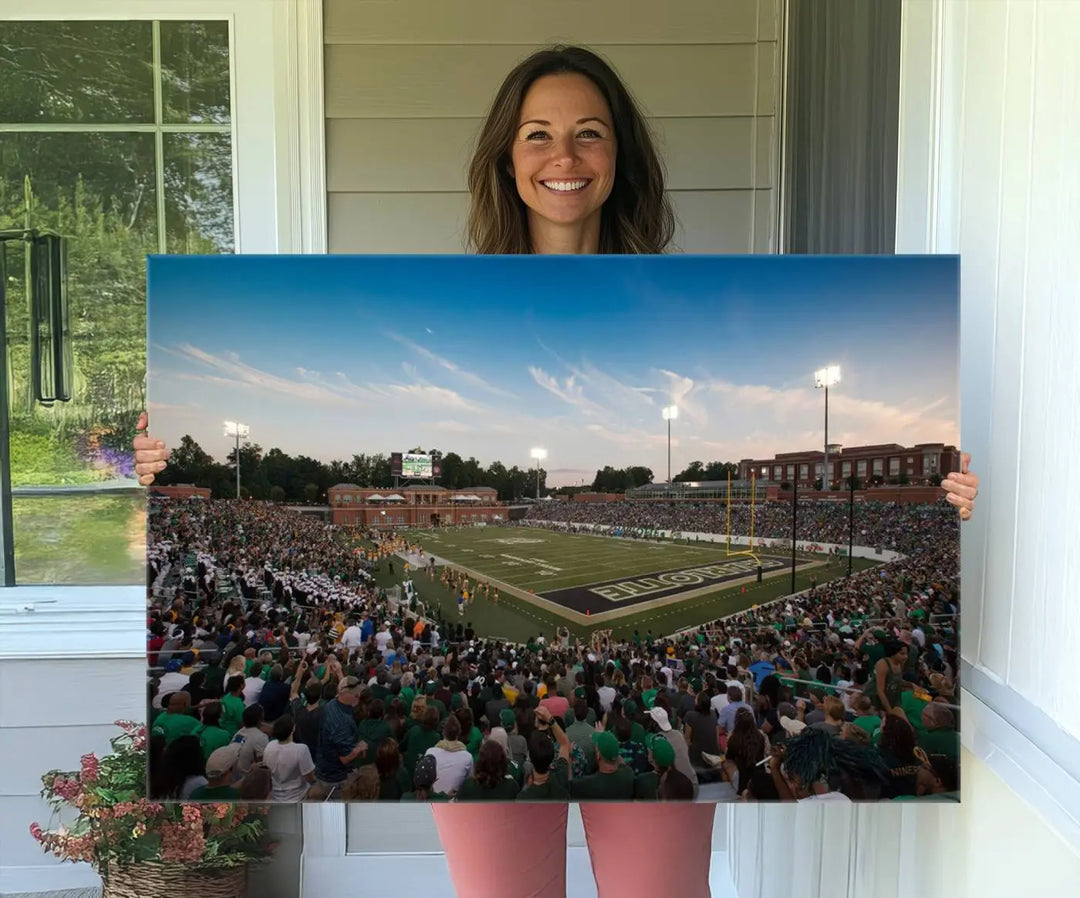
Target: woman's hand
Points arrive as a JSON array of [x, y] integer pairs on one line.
[[961, 487], [150, 454]]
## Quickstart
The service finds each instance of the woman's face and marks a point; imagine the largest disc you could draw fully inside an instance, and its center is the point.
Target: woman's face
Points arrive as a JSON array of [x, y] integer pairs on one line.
[[563, 155]]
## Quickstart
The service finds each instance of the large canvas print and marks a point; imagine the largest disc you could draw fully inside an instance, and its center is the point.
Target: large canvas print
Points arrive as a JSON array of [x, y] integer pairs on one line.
[[545, 528]]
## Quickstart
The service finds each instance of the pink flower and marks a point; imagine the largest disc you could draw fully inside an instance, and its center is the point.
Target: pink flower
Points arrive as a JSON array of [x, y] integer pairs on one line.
[[89, 768], [66, 788], [181, 843], [191, 813], [36, 832]]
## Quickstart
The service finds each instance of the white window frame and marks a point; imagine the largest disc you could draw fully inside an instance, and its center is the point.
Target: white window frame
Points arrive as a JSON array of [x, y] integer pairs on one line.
[[1037, 759], [280, 207]]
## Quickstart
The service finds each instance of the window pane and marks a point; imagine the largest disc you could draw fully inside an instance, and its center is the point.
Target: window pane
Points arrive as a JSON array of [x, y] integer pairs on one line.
[[195, 72], [198, 193], [81, 540], [76, 72], [99, 191]]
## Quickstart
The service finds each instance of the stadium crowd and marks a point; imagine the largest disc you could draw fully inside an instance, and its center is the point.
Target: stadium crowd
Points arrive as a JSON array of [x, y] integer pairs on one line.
[[278, 672], [901, 528]]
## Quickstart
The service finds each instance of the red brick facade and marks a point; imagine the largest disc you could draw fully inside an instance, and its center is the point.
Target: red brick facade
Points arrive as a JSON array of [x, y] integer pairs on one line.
[[182, 491], [412, 506], [890, 461], [902, 495]]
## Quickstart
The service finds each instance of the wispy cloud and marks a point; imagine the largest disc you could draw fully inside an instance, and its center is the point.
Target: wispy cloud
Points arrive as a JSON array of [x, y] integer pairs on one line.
[[464, 375], [231, 370], [786, 420], [569, 390], [439, 397], [615, 394]]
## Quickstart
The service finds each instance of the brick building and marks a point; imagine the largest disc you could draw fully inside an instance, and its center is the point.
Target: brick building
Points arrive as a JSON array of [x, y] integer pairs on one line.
[[890, 462], [419, 505], [181, 491]]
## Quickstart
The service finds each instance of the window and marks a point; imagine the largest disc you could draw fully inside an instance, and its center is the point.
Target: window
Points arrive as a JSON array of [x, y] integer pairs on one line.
[[894, 466], [860, 468], [819, 467], [125, 153], [777, 472], [845, 469], [930, 463], [791, 472], [764, 473], [879, 467], [804, 472]]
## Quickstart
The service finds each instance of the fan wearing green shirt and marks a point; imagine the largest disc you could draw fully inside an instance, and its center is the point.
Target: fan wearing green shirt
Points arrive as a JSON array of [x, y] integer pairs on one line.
[[232, 714], [865, 716], [939, 736], [420, 738], [212, 735], [648, 692], [374, 730], [551, 772], [662, 757], [490, 779], [613, 781], [176, 722], [219, 775]]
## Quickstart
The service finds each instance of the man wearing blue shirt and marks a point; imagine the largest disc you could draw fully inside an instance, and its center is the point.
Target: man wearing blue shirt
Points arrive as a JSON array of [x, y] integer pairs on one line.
[[367, 627], [761, 669], [338, 747], [728, 712]]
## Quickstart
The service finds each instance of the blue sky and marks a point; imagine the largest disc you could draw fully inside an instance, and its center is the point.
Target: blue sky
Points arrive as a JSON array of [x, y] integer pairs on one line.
[[329, 356]]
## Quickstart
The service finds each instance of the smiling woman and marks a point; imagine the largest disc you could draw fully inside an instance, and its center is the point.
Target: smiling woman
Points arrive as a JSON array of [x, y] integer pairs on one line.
[[565, 164]]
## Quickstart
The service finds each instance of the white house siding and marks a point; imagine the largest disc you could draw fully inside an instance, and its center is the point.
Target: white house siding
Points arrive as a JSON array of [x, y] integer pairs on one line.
[[51, 713], [407, 86]]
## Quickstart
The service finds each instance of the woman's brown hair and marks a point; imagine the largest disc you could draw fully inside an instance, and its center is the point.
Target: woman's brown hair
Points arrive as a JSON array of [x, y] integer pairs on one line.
[[492, 765], [362, 785], [637, 217], [387, 758]]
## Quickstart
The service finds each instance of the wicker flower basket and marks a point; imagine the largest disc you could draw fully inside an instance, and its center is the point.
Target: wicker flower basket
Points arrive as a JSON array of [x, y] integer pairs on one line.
[[154, 880]]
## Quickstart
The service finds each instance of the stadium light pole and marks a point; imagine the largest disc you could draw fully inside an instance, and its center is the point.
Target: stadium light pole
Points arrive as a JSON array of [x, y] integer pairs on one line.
[[826, 377], [235, 429], [539, 455], [671, 412]]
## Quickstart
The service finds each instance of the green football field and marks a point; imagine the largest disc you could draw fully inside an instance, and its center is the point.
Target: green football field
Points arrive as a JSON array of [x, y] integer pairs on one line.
[[548, 579]]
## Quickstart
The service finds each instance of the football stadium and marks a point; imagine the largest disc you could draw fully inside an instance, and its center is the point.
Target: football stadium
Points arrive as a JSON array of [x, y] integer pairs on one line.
[[265, 618], [332, 620]]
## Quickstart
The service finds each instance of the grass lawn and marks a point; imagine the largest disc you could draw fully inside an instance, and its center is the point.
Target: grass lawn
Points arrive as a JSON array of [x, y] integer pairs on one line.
[[544, 561], [82, 539]]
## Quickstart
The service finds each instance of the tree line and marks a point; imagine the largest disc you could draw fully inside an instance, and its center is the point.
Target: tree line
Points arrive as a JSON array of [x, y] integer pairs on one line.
[[277, 476], [280, 477]]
